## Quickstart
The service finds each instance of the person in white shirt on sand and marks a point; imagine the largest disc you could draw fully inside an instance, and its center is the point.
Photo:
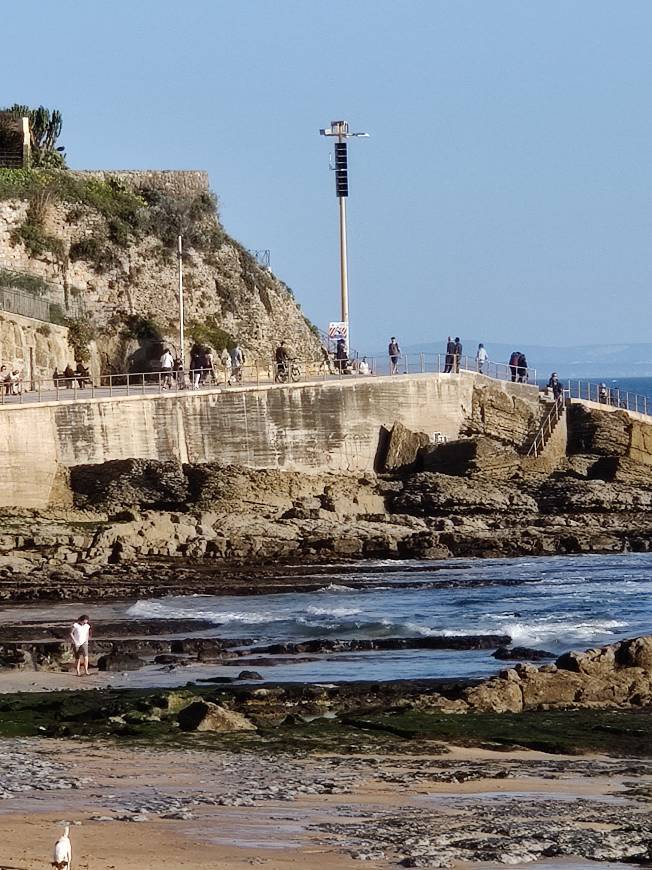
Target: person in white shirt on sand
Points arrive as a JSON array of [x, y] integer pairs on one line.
[[80, 635]]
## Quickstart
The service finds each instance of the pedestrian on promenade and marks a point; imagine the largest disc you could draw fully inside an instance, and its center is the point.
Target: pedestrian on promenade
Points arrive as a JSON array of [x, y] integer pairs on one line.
[[554, 385], [56, 377], [80, 634], [481, 358], [237, 361], [69, 376], [225, 359], [394, 352], [522, 368], [513, 365], [450, 355], [83, 375], [167, 364], [457, 354], [211, 374]]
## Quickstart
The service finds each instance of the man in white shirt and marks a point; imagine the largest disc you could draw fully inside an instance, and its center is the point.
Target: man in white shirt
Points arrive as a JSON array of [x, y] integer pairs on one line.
[[481, 357], [79, 635], [167, 364]]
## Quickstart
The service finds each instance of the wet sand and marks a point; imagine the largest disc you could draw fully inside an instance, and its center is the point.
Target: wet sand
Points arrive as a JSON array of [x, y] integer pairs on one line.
[[117, 824]]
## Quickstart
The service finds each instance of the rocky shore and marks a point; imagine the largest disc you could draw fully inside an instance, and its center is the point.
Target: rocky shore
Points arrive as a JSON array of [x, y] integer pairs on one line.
[[148, 528]]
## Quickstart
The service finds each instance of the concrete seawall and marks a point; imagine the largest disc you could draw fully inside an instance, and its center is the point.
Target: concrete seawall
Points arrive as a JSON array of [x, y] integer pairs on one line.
[[320, 426]]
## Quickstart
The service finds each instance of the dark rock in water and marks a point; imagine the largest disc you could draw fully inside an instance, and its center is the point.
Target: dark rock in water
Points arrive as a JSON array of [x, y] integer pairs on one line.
[[224, 680], [166, 659], [460, 642], [119, 662], [250, 675], [522, 652]]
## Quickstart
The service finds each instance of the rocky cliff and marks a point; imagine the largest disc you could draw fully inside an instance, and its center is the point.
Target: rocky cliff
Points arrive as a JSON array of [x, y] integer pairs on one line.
[[105, 243]]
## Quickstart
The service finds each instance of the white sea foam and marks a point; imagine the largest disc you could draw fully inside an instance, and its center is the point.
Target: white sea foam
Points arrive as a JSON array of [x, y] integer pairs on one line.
[[335, 587], [332, 611]]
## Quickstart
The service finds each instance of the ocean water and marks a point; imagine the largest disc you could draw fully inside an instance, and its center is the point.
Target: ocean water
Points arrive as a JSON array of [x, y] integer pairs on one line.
[[556, 604]]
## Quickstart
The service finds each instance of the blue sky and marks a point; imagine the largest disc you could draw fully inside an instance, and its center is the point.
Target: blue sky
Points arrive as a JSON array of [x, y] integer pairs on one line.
[[505, 192]]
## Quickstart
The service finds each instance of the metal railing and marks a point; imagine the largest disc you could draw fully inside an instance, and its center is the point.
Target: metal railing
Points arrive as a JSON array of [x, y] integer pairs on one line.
[[442, 363], [18, 389], [611, 396], [547, 426]]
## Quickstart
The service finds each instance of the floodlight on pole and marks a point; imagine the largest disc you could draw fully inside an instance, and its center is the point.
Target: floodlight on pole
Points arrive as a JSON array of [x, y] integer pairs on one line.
[[340, 131]]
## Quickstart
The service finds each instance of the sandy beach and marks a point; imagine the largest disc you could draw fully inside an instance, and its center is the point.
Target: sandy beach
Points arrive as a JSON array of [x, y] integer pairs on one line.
[[140, 809]]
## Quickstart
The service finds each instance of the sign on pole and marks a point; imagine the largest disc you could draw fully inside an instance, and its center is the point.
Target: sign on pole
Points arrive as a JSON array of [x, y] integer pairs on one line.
[[337, 330]]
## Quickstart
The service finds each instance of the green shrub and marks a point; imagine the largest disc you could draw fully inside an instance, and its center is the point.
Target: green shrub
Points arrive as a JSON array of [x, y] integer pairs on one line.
[[57, 314], [81, 331], [210, 333], [37, 241], [95, 251], [44, 330]]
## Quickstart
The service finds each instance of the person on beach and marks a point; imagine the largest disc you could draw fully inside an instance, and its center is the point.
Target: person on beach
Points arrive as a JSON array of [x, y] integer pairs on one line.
[[481, 357], [80, 634], [394, 352]]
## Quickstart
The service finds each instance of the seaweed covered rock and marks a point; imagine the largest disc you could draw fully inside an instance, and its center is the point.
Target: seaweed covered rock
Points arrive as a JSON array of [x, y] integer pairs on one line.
[[207, 716]]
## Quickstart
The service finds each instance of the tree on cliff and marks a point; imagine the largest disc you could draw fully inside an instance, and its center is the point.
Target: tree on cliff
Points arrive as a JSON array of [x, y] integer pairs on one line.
[[45, 128]]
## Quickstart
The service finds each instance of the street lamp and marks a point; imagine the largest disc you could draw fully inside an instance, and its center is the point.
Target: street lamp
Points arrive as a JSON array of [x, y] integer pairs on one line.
[[340, 130]]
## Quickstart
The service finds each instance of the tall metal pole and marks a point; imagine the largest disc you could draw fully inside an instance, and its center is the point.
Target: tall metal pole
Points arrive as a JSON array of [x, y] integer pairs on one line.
[[344, 276], [340, 131], [182, 336]]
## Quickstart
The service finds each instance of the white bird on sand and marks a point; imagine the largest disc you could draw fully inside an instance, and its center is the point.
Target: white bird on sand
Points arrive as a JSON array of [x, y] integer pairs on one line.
[[63, 851]]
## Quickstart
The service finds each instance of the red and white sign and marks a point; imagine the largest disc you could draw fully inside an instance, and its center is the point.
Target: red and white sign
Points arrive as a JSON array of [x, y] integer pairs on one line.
[[337, 330]]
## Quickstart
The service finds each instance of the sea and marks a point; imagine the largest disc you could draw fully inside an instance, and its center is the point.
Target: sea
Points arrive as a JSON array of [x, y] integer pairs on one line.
[[548, 603]]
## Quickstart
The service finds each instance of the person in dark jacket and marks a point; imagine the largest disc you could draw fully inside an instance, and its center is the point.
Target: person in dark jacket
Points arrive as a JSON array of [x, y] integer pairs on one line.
[[450, 355], [513, 365], [522, 368], [457, 354], [554, 385]]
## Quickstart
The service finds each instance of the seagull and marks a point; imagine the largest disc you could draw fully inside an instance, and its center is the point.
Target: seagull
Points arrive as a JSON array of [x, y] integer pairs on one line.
[[63, 851]]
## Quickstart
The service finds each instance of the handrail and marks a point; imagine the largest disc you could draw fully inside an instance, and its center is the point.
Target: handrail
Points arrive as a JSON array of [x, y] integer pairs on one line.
[[23, 389], [547, 426], [611, 396]]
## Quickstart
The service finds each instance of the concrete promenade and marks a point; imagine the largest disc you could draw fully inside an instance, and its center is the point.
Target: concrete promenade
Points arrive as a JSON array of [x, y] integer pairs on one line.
[[321, 425]]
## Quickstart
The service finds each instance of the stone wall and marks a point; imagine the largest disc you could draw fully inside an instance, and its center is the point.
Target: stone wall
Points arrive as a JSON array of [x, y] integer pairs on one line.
[[32, 347], [324, 426]]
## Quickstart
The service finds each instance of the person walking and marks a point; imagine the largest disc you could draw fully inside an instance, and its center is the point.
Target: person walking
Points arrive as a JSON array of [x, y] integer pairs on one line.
[[513, 365], [80, 635], [457, 354], [522, 368], [167, 364], [554, 385], [225, 359], [237, 361], [481, 358], [394, 352]]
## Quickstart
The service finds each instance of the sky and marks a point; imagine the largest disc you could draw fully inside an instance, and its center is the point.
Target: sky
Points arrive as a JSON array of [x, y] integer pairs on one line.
[[505, 191]]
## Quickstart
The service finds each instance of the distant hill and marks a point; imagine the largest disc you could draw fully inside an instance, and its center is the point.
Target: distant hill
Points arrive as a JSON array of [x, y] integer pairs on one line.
[[591, 360]]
